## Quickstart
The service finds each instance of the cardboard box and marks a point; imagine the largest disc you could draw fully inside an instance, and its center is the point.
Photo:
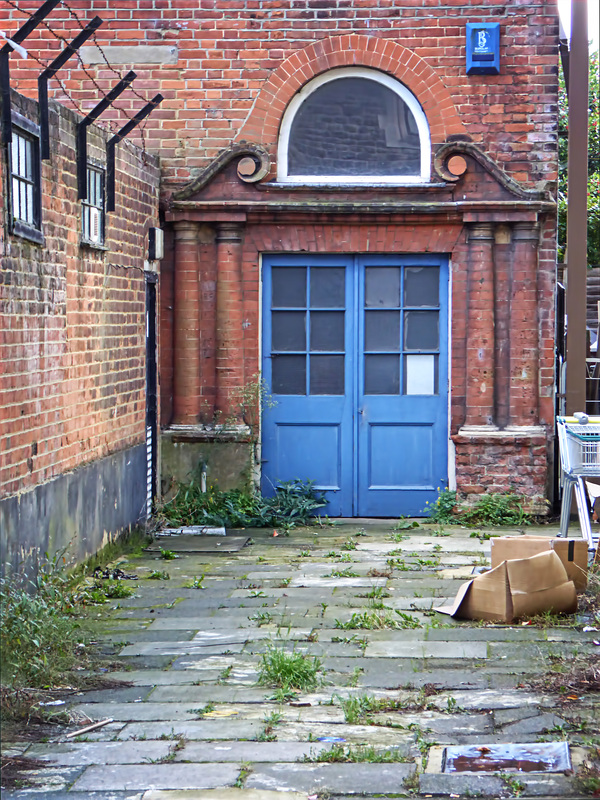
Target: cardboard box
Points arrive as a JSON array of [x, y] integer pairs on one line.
[[517, 588], [573, 553]]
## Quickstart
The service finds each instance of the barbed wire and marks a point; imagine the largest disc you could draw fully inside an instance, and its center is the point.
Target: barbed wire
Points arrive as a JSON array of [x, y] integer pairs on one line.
[[112, 125]]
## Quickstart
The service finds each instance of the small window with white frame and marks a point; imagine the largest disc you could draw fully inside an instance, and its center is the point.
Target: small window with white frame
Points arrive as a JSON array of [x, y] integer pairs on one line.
[[92, 208], [25, 184], [354, 125]]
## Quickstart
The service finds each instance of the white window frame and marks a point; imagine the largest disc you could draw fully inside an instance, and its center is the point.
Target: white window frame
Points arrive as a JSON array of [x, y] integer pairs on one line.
[[372, 75], [91, 209], [29, 224]]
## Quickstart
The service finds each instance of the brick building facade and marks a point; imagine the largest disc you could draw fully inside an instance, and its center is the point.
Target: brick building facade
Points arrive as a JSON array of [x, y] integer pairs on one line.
[[472, 408], [73, 344]]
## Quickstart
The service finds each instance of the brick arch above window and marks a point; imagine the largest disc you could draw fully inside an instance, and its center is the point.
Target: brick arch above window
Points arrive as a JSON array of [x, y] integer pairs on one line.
[[352, 50]]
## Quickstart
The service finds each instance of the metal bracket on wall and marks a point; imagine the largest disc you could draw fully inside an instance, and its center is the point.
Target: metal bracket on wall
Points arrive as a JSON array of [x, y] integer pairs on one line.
[[82, 131], [50, 72], [23, 32], [113, 142]]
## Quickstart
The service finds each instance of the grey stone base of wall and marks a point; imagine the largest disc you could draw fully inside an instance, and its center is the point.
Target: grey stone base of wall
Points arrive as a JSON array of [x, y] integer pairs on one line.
[[228, 458], [75, 514]]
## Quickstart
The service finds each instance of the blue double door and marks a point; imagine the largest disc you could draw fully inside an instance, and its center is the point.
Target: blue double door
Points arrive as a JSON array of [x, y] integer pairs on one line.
[[355, 361]]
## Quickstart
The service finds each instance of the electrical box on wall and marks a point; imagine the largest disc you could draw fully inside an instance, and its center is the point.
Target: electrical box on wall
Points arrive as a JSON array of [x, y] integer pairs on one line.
[[483, 48], [156, 244]]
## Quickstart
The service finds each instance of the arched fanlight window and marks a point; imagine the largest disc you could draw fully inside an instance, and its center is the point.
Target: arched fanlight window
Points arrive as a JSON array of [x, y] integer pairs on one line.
[[354, 126]]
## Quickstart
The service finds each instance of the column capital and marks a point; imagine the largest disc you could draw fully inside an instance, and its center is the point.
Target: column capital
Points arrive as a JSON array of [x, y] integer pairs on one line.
[[481, 231], [229, 232], [186, 230], [526, 231]]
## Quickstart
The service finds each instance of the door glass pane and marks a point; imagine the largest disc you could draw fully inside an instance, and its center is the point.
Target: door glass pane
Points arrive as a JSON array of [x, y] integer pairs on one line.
[[289, 287], [382, 287], [327, 374], [382, 374], [327, 286], [421, 286], [382, 330], [289, 374], [327, 330], [421, 330], [289, 330], [420, 374]]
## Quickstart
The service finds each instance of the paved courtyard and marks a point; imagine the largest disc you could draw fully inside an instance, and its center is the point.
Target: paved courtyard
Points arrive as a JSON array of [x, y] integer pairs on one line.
[[190, 720]]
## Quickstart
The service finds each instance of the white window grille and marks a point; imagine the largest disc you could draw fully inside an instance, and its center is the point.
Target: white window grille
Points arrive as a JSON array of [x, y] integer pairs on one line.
[[24, 150], [92, 208]]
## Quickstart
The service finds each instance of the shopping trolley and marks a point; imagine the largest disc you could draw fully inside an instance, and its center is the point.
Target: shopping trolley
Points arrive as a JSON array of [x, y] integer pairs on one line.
[[579, 443]]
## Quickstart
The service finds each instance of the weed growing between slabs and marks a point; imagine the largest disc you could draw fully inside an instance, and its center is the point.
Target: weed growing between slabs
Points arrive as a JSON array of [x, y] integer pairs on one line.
[[289, 673], [489, 510], [359, 709], [340, 754], [293, 504], [43, 638], [378, 619]]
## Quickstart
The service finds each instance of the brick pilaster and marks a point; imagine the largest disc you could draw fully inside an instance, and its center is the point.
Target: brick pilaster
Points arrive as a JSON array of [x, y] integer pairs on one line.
[[524, 345], [480, 326], [229, 361], [186, 356]]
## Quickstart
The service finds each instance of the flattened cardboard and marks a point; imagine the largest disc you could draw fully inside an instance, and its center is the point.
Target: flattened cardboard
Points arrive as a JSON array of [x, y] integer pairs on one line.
[[572, 552], [516, 588]]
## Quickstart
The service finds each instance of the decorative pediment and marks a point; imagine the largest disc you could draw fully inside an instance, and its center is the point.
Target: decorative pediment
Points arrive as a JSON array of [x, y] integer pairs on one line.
[[253, 165], [462, 174], [451, 165]]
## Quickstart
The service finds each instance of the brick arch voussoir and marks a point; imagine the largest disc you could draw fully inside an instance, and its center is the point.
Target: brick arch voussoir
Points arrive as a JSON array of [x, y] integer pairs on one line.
[[415, 73]]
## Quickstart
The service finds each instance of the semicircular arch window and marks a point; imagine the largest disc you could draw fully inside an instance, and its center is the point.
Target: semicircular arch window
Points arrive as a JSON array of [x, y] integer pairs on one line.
[[353, 125]]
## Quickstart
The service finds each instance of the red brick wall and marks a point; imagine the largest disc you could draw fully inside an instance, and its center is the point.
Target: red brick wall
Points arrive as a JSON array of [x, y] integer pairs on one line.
[[233, 54], [72, 326]]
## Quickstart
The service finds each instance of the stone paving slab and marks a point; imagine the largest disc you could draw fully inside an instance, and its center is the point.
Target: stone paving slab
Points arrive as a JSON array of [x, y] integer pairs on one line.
[[205, 694], [163, 649], [348, 778], [541, 723], [349, 734], [41, 794], [474, 783], [85, 753], [157, 776], [249, 752], [158, 677], [221, 794], [133, 694], [138, 712], [210, 730], [453, 725], [55, 779], [446, 650], [150, 636], [492, 699]]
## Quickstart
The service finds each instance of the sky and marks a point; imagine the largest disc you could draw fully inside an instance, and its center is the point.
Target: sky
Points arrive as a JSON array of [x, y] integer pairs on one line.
[[564, 9]]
